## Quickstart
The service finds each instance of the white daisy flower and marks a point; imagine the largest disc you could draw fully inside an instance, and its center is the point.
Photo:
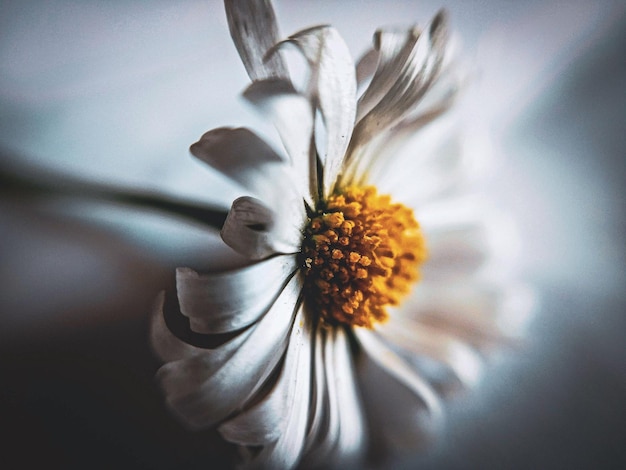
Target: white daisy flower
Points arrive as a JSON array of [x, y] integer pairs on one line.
[[370, 289]]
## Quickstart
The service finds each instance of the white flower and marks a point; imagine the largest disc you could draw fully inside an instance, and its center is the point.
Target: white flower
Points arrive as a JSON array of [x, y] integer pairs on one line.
[[326, 348]]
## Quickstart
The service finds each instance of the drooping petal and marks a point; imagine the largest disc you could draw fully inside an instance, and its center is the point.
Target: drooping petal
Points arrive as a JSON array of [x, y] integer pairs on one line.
[[222, 302], [293, 117], [201, 394], [332, 85], [254, 30], [257, 232], [422, 340]]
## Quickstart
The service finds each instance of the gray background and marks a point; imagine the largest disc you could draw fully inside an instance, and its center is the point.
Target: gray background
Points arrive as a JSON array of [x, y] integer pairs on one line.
[[114, 92]]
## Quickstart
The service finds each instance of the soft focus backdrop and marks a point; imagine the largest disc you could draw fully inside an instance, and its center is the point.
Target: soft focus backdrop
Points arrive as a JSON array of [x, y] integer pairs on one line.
[[113, 93]]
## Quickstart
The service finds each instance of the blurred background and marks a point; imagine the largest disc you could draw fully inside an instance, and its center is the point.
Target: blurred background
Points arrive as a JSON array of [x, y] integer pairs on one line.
[[110, 94]]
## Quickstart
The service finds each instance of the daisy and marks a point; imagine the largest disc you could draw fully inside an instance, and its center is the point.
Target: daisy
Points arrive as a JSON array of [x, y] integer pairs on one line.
[[372, 285]]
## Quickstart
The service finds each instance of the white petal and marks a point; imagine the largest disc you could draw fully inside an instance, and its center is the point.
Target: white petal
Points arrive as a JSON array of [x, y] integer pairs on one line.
[[427, 166], [296, 383], [268, 420], [420, 339], [483, 315], [201, 396], [401, 371], [324, 432], [418, 148], [366, 66], [333, 86], [190, 372], [254, 30], [292, 115], [351, 426], [414, 75], [454, 76], [167, 346], [397, 418], [448, 157], [241, 155], [465, 237], [257, 232], [456, 253], [394, 48], [338, 439], [221, 302], [319, 395]]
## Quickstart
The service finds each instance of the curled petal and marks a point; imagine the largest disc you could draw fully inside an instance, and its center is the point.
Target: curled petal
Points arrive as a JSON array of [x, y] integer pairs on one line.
[[254, 30], [167, 346], [242, 156], [332, 86], [257, 232], [292, 115], [202, 391], [231, 150], [223, 302]]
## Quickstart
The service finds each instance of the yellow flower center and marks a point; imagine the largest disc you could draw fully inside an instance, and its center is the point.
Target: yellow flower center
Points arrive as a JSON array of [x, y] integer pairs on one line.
[[360, 254]]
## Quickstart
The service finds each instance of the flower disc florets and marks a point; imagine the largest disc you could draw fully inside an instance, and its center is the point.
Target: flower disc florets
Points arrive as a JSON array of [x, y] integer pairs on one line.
[[360, 254]]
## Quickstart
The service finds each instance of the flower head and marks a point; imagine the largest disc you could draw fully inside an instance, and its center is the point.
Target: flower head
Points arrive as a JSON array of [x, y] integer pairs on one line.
[[327, 344]]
